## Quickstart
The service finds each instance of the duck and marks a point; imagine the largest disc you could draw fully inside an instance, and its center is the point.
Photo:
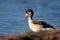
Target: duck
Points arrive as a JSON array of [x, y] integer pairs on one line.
[[36, 25]]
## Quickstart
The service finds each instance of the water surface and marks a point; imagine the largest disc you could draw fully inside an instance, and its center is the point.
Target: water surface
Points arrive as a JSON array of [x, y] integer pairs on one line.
[[12, 14]]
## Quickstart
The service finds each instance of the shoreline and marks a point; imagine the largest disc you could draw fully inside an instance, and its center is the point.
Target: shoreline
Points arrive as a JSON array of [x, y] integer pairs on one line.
[[43, 35]]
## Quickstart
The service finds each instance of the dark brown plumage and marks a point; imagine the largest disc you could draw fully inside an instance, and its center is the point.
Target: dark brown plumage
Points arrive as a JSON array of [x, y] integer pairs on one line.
[[45, 25]]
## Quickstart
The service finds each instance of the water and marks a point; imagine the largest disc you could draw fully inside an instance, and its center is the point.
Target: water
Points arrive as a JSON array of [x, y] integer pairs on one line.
[[12, 14]]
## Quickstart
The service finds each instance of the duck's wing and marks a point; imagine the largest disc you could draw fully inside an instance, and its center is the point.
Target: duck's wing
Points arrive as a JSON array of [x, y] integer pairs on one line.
[[45, 25]]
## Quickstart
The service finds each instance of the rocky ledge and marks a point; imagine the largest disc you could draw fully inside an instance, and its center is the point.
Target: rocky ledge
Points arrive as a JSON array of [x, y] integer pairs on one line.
[[43, 35]]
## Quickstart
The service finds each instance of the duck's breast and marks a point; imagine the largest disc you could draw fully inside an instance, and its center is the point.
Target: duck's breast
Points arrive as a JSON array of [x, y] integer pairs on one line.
[[35, 27]]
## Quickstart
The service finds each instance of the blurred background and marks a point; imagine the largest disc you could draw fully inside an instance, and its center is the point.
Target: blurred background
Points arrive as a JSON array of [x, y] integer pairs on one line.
[[12, 14]]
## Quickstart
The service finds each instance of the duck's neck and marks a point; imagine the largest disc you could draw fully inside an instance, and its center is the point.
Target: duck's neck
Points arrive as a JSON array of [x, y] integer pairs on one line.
[[29, 19]]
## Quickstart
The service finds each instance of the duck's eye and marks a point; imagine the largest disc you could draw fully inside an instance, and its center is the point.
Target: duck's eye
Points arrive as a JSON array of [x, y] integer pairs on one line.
[[27, 12]]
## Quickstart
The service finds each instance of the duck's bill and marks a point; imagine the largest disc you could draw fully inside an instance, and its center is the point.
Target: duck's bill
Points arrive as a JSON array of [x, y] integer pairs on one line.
[[26, 16]]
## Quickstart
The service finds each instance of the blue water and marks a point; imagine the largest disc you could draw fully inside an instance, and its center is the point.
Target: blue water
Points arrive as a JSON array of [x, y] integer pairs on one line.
[[12, 14]]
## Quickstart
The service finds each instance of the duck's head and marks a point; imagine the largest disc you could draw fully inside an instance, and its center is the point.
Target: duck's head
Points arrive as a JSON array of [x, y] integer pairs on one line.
[[29, 13]]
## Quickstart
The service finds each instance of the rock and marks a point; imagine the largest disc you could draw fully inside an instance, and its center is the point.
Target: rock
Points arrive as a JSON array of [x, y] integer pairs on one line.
[[43, 35]]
